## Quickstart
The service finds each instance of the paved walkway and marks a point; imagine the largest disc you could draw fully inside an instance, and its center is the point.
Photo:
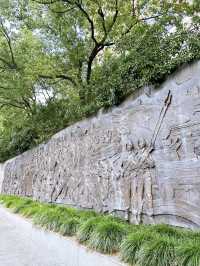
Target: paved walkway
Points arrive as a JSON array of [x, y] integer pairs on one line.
[[21, 244]]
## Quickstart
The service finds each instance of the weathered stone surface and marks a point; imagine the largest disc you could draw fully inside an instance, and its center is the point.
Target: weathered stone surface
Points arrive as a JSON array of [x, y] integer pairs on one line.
[[140, 161], [1, 175]]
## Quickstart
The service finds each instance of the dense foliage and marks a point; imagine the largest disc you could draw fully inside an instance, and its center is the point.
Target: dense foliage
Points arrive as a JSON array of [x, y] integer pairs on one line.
[[62, 60], [156, 245]]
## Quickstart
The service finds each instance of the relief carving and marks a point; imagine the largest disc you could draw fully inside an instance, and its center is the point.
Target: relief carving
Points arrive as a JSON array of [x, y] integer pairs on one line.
[[121, 161], [175, 145], [197, 149], [141, 183]]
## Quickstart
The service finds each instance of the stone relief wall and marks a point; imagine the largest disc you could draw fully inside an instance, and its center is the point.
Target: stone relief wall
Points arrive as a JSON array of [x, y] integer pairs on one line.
[[1, 175], [140, 161]]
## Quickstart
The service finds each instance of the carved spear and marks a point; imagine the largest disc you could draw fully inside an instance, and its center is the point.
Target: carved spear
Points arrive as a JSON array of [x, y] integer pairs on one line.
[[159, 123], [162, 115]]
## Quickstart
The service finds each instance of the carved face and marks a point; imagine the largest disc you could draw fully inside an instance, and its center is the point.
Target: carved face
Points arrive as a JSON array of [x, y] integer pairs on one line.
[[142, 143], [129, 146]]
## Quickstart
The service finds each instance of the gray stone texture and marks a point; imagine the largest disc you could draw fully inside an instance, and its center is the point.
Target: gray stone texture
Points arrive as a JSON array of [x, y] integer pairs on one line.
[[1, 175], [140, 161]]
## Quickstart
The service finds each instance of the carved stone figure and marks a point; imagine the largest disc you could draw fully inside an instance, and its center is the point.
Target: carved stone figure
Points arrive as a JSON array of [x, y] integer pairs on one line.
[[141, 183], [197, 149], [127, 164]]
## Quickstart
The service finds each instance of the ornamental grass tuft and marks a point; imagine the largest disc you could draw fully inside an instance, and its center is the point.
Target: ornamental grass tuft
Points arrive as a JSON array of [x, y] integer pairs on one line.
[[132, 245], [166, 230], [189, 234], [85, 215], [31, 211], [87, 228], [188, 253], [107, 236], [19, 206], [69, 226], [160, 251]]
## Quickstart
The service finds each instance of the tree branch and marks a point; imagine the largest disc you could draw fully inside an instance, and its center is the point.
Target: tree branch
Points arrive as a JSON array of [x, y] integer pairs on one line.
[[88, 19], [8, 39], [102, 15], [134, 4], [46, 2], [151, 17], [16, 105], [59, 76], [5, 88], [100, 45], [63, 11], [115, 16], [139, 20], [6, 62], [92, 56]]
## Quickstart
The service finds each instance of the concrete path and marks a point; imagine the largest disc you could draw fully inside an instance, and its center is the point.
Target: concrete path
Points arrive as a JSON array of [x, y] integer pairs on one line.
[[21, 244]]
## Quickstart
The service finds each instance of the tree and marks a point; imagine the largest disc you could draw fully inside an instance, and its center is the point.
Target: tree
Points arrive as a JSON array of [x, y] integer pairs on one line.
[[62, 60]]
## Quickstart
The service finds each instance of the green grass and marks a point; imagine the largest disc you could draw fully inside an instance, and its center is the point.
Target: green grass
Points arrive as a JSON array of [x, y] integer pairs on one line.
[[87, 228], [132, 245], [69, 226], [188, 252], [166, 230], [160, 251], [137, 245], [107, 236]]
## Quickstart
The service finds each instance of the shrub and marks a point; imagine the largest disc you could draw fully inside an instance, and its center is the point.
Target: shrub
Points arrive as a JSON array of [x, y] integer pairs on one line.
[[107, 236], [16, 203], [31, 211], [9, 203], [20, 205], [69, 227], [158, 252], [189, 234], [87, 228], [132, 244], [53, 218], [166, 230], [85, 215], [70, 212], [45, 218], [188, 253]]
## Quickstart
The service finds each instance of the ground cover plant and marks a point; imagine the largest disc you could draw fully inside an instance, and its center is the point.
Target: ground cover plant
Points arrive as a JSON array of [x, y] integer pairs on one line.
[[137, 245], [107, 236], [159, 251], [132, 245]]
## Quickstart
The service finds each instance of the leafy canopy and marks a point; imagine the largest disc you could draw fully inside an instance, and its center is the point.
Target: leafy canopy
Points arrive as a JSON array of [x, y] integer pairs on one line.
[[62, 60]]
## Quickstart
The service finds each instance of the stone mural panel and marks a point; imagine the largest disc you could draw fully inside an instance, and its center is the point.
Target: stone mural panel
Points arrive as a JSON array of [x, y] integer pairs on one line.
[[140, 160]]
